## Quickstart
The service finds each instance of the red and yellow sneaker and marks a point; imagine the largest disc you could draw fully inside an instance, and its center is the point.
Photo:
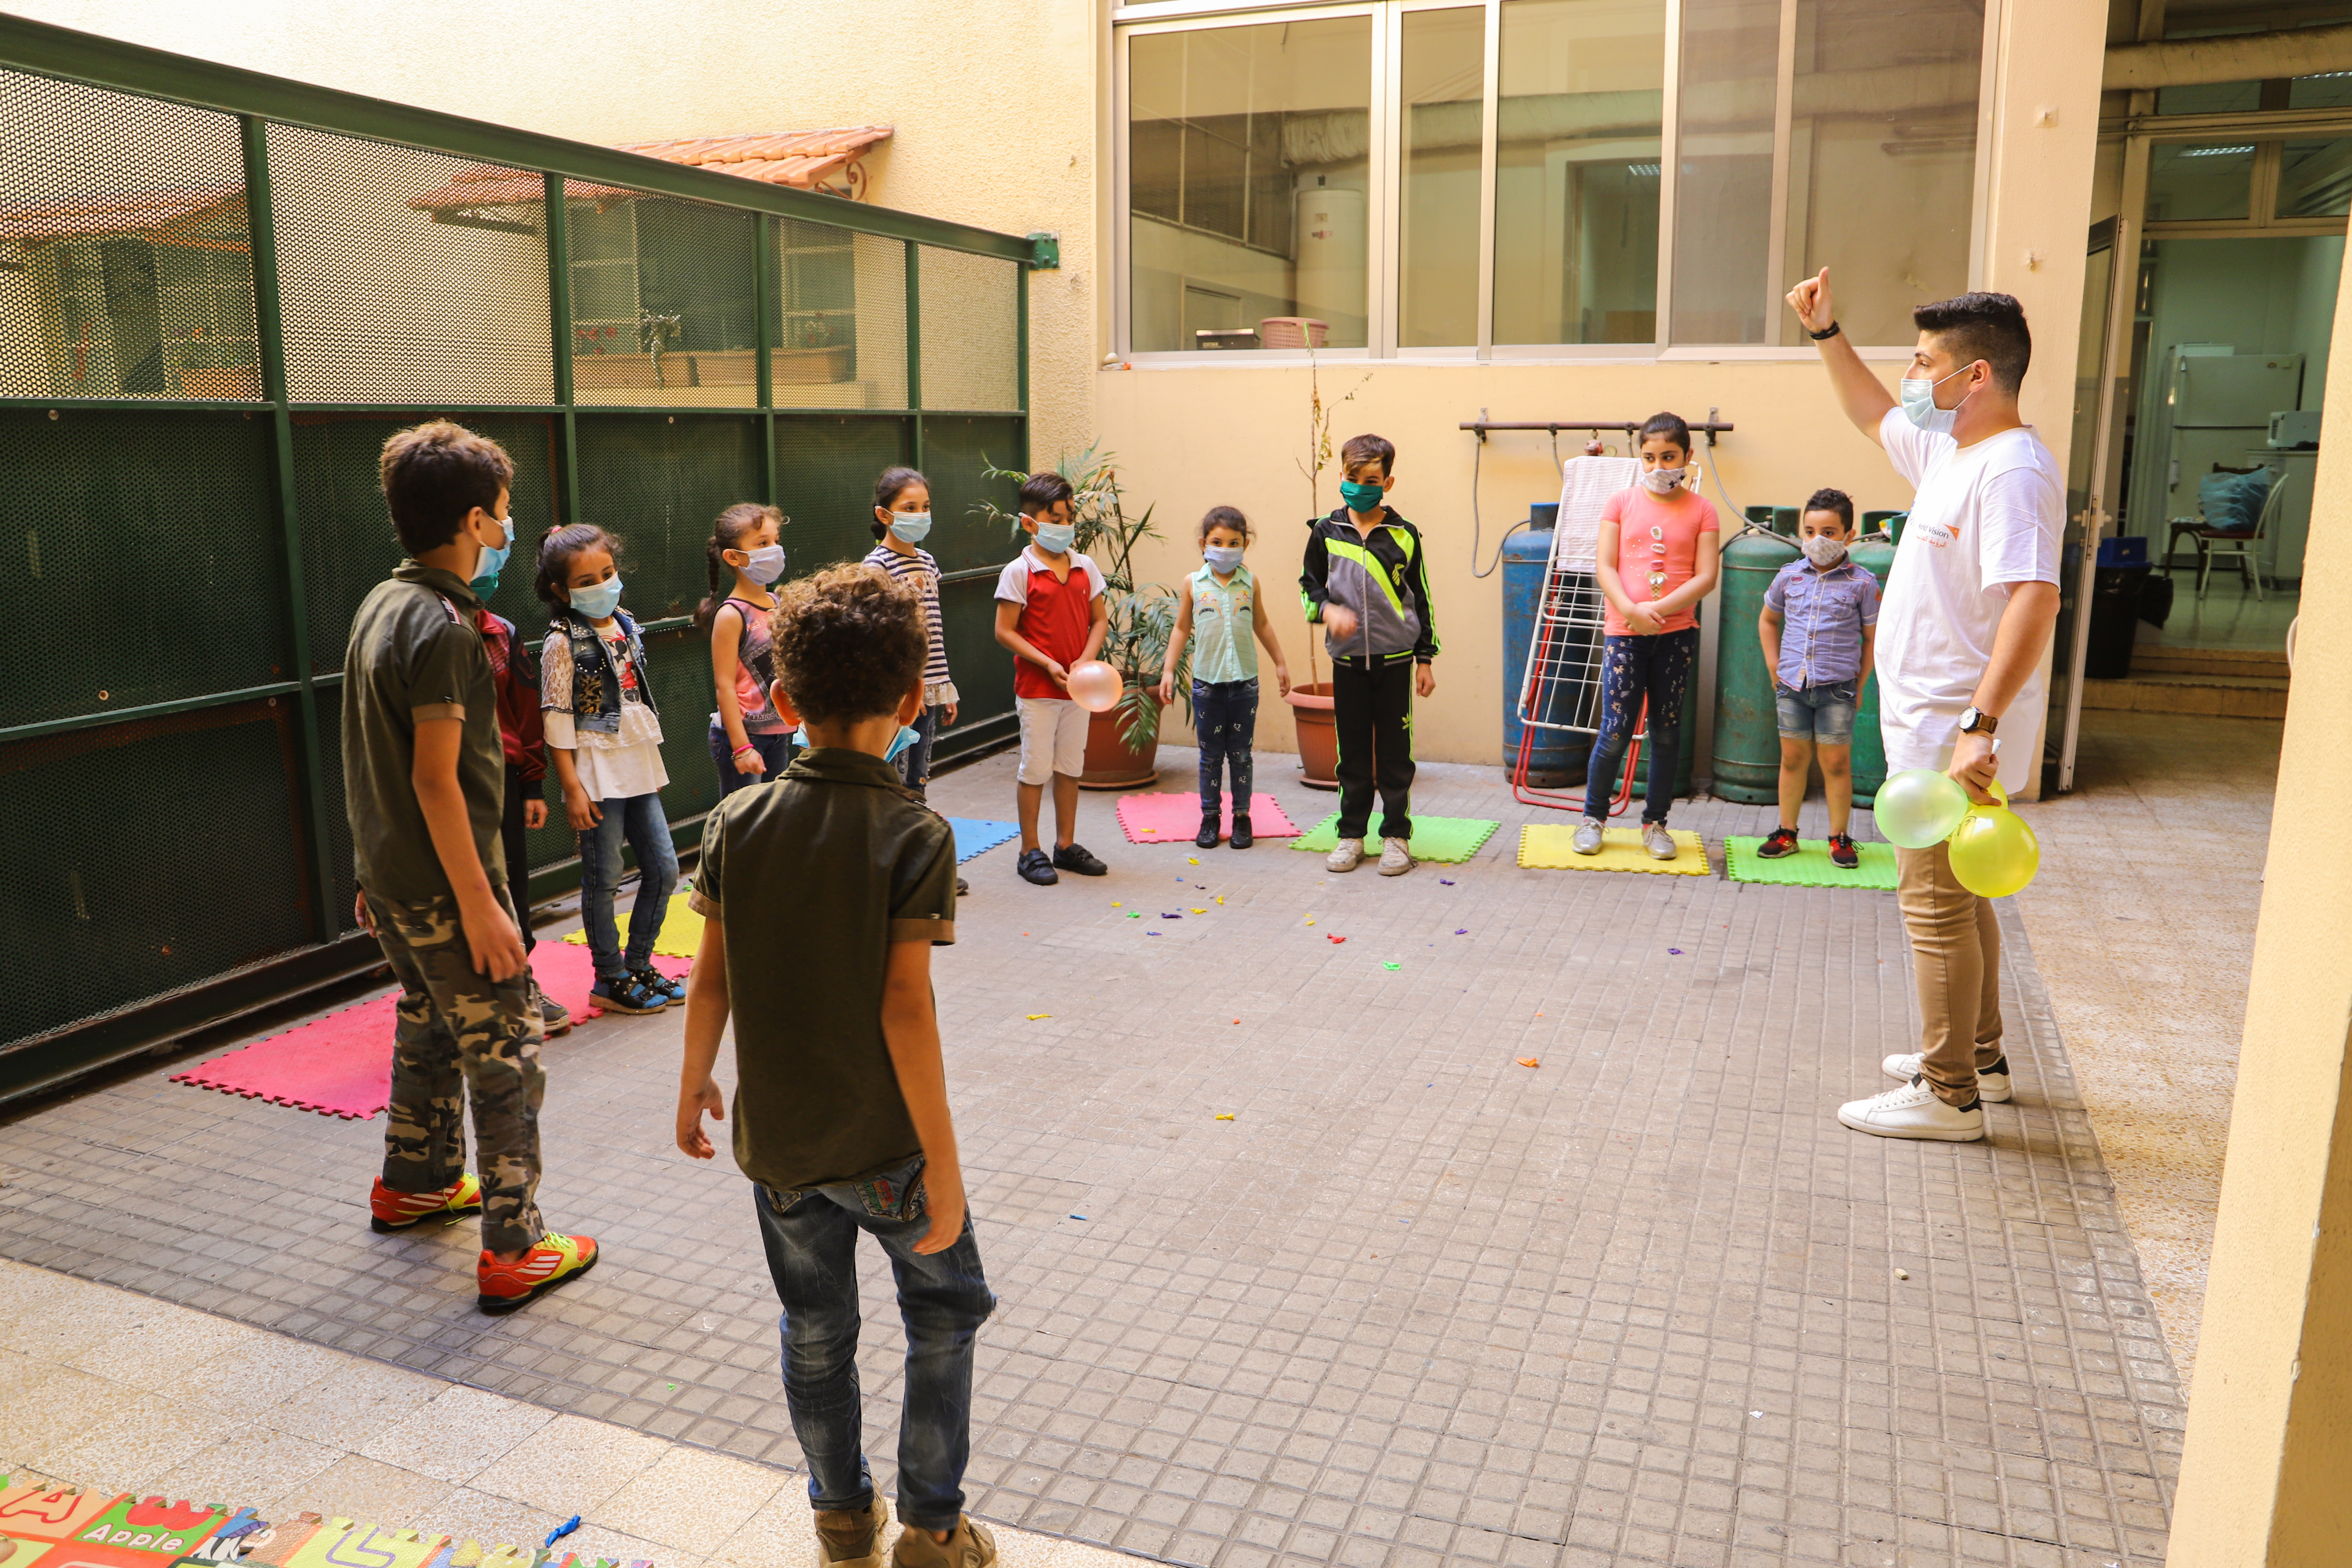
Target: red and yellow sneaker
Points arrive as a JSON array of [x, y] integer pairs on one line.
[[556, 1259], [398, 1211]]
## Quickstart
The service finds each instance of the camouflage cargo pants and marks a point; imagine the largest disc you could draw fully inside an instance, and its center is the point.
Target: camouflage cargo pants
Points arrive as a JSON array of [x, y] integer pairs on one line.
[[461, 1032]]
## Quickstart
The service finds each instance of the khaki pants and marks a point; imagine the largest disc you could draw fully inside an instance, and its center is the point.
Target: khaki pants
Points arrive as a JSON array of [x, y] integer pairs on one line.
[[1956, 963]]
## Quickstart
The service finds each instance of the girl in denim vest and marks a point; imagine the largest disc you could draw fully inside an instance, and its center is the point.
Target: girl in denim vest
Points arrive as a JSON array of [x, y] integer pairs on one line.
[[604, 738]]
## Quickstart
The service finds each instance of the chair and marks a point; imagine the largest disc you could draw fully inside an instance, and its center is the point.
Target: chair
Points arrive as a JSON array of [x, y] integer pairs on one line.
[[2213, 543]]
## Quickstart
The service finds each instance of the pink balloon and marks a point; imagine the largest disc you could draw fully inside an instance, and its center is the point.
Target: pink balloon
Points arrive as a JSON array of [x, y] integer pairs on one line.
[[1095, 687]]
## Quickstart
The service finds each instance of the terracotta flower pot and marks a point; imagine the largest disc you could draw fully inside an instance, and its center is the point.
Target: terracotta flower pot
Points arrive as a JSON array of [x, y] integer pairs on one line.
[[1318, 734], [1112, 762]]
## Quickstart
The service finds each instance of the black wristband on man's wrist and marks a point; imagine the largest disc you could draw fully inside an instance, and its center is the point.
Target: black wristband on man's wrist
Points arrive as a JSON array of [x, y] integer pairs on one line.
[[1827, 332]]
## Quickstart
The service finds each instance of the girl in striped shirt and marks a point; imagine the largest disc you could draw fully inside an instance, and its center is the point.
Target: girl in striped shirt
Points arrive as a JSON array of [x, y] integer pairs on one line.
[[902, 515]]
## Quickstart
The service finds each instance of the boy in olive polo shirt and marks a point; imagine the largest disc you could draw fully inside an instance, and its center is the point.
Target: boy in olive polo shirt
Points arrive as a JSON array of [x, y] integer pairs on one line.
[[838, 870], [424, 785]]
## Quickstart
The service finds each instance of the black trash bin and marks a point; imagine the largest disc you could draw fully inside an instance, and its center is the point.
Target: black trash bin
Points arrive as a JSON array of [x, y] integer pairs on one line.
[[2115, 612]]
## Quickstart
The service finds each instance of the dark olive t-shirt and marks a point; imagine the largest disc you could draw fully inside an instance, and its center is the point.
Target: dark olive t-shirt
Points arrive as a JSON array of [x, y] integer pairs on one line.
[[814, 876], [416, 654]]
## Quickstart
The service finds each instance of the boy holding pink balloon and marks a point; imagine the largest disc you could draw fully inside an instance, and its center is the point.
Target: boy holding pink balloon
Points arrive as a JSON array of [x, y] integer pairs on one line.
[[1968, 615], [1051, 614]]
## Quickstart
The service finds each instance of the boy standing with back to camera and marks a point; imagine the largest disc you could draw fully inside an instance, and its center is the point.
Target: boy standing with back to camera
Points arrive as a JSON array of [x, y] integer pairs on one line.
[[1366, 581]]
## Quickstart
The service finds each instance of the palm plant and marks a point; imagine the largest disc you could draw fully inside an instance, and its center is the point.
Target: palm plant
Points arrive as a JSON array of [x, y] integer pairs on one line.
[[1142, 619]]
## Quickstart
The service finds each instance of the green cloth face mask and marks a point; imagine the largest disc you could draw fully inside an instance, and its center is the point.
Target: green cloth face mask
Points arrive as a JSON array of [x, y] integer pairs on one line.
[[1362, 499]]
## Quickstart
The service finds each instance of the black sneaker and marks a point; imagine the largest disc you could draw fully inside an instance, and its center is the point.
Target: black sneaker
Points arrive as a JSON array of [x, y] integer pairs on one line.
[[1242, 837], [1842, 852], [1074, 857], [963, 886], [1212, 825], [1034, 867], [1783, 841], [626, 995]]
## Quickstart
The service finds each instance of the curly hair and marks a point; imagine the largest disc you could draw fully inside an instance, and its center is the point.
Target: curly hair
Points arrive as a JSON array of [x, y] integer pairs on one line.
[[850, 642], [557, 546], [1832, 500]]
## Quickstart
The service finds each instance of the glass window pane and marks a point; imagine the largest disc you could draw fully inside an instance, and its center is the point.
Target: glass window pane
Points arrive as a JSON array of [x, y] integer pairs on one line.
[[2188, 181], [1576, 171], [2329, 90], [2315, 179], [1881, 160], [1723, 182], [1444, 92], [2210, 98], [1249, 156]]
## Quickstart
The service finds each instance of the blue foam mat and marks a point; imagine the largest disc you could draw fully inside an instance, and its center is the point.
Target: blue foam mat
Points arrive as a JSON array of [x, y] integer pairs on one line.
[[977, 835]]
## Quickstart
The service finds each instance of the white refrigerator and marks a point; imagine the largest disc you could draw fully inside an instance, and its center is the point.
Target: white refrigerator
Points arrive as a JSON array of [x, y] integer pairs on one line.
[[2209, 406]]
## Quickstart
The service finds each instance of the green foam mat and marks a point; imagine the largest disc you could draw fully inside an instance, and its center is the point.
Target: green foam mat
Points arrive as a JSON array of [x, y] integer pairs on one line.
[[1446, 840], [1810, 866]]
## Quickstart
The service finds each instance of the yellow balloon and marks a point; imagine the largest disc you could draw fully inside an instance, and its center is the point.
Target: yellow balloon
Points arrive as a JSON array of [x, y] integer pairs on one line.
[[1994, 852]]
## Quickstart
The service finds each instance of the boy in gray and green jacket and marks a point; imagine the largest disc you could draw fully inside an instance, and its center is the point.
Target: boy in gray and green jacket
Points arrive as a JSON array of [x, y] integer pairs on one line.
[[1366, 581]]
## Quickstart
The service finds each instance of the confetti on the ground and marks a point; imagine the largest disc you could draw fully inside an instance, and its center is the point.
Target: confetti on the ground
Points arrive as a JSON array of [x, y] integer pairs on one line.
[[1166, 916], [1032, 1017], [1676, 951], [1391, 966], [1077, 1217], [1224, 1116], [1220, 898], [1335, 939], [1445, 882], [1461, 930], [1191, 859], [1198, 910], [1117, 905], [1530, 1061], [1903, 1274], [1151, 934], [561, 1530], [1236, 1020]]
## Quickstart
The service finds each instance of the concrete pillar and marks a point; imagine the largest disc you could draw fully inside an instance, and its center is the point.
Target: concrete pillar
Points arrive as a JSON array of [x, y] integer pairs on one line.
[[2264, 1477]]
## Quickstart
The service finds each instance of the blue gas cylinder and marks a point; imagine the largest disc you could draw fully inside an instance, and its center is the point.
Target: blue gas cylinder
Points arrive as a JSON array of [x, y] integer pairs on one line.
[[1557, 756]]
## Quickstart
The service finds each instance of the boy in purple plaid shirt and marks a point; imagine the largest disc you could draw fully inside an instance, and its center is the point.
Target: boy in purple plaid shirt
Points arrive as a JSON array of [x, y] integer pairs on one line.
[[1819, 615]]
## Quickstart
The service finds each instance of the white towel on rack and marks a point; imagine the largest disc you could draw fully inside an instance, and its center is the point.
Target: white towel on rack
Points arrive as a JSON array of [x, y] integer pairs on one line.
[[1585, 485]]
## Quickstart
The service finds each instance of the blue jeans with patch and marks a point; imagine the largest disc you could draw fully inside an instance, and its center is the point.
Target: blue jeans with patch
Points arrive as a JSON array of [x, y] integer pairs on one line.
[[1823, 713], [1224, 721], [811, 1244], [639, 819], [1656, 666]]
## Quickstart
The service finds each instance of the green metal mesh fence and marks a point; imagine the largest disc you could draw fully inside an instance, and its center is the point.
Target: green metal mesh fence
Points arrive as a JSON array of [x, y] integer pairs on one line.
[[183, 544]]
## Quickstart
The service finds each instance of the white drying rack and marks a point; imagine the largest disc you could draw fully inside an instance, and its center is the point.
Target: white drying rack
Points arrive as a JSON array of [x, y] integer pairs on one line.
[[1559, 688]]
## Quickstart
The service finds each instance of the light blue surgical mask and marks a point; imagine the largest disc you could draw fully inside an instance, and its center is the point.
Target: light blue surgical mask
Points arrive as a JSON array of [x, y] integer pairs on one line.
[[910, 527], [1056, 538], [766, 563], [487, 565], [1919, 402], [1222, 558], [599, 602], [906, 736]]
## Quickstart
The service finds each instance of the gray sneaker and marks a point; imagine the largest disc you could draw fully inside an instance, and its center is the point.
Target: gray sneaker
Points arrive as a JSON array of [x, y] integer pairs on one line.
[[554, 1018], [1659, 842], [1346, 855], [1588, 836]]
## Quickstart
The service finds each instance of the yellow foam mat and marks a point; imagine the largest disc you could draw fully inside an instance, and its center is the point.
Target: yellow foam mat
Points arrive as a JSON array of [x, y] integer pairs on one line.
[[1545, 847], [681, 931]]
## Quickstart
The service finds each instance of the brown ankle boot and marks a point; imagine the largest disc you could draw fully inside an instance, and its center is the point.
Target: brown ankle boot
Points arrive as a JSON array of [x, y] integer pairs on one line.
[[969, 1547], [852, 1539]]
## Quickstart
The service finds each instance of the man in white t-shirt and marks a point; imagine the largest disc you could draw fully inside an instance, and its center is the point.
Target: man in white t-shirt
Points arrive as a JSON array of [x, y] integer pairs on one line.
[[1969, 605]]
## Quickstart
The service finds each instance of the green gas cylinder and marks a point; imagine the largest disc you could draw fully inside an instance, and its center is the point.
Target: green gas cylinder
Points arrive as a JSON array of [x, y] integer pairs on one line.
[[1747, 719], [1874, 553]]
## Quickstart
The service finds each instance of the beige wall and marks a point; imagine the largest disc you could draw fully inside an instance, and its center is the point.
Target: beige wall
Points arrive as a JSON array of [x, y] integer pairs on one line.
[[2270, 1427], [995, 123]]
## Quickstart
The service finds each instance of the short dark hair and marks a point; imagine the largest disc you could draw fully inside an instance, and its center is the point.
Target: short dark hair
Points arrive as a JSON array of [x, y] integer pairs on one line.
[[1039, 492], [1828, 500], [849, 643], [1672, 426], [557, 546], [433, 474], [1980, 326], [1358, 450], [887, 490], [1224, 517]]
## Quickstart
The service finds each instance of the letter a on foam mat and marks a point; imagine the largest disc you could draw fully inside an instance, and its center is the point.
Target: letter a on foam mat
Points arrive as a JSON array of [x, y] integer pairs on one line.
[[1546, 847]]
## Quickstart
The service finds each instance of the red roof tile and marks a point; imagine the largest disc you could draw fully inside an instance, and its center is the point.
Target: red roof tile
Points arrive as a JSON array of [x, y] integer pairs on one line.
[[796, 158], [135, 214]]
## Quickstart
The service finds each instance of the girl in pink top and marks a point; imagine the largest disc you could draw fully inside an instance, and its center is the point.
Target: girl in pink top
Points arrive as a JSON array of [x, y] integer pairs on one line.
[[1657, 556]]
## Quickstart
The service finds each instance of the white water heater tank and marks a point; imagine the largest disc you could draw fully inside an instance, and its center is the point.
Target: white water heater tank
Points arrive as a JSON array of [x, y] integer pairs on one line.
[[1333, 260]]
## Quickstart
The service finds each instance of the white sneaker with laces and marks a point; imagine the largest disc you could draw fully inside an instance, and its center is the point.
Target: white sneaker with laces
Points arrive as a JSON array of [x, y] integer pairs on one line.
[[1992, 1088], [1588, 836], [1659, 842], [1396, 857], [1913, 1111], [1346, 855]]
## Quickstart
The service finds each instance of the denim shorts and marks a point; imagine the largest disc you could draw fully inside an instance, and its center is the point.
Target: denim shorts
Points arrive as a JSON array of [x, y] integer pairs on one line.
[[1821, 713]]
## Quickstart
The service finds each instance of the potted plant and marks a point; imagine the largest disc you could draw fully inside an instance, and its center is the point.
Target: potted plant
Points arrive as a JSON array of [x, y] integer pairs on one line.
[[1123, 743], [1311, 705]]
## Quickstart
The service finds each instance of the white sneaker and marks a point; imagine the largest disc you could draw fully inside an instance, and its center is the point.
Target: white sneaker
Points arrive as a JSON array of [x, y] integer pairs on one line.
[[1346, 855], [1992, 1088], [1396, 857], [1659, 842], [1588, 836], [1912, 1110]]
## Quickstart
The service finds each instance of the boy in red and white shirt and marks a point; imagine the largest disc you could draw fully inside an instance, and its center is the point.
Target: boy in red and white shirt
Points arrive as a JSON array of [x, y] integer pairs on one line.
[[1050, 611]]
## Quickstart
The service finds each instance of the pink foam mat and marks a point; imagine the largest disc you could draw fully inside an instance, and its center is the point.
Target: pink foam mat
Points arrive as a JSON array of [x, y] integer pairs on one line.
[[340, 1064], [1175, 818]]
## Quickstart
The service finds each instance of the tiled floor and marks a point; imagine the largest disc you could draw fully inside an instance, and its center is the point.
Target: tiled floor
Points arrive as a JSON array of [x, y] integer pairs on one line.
[[2228, 616], [2143, 922], [1645, 1303]]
